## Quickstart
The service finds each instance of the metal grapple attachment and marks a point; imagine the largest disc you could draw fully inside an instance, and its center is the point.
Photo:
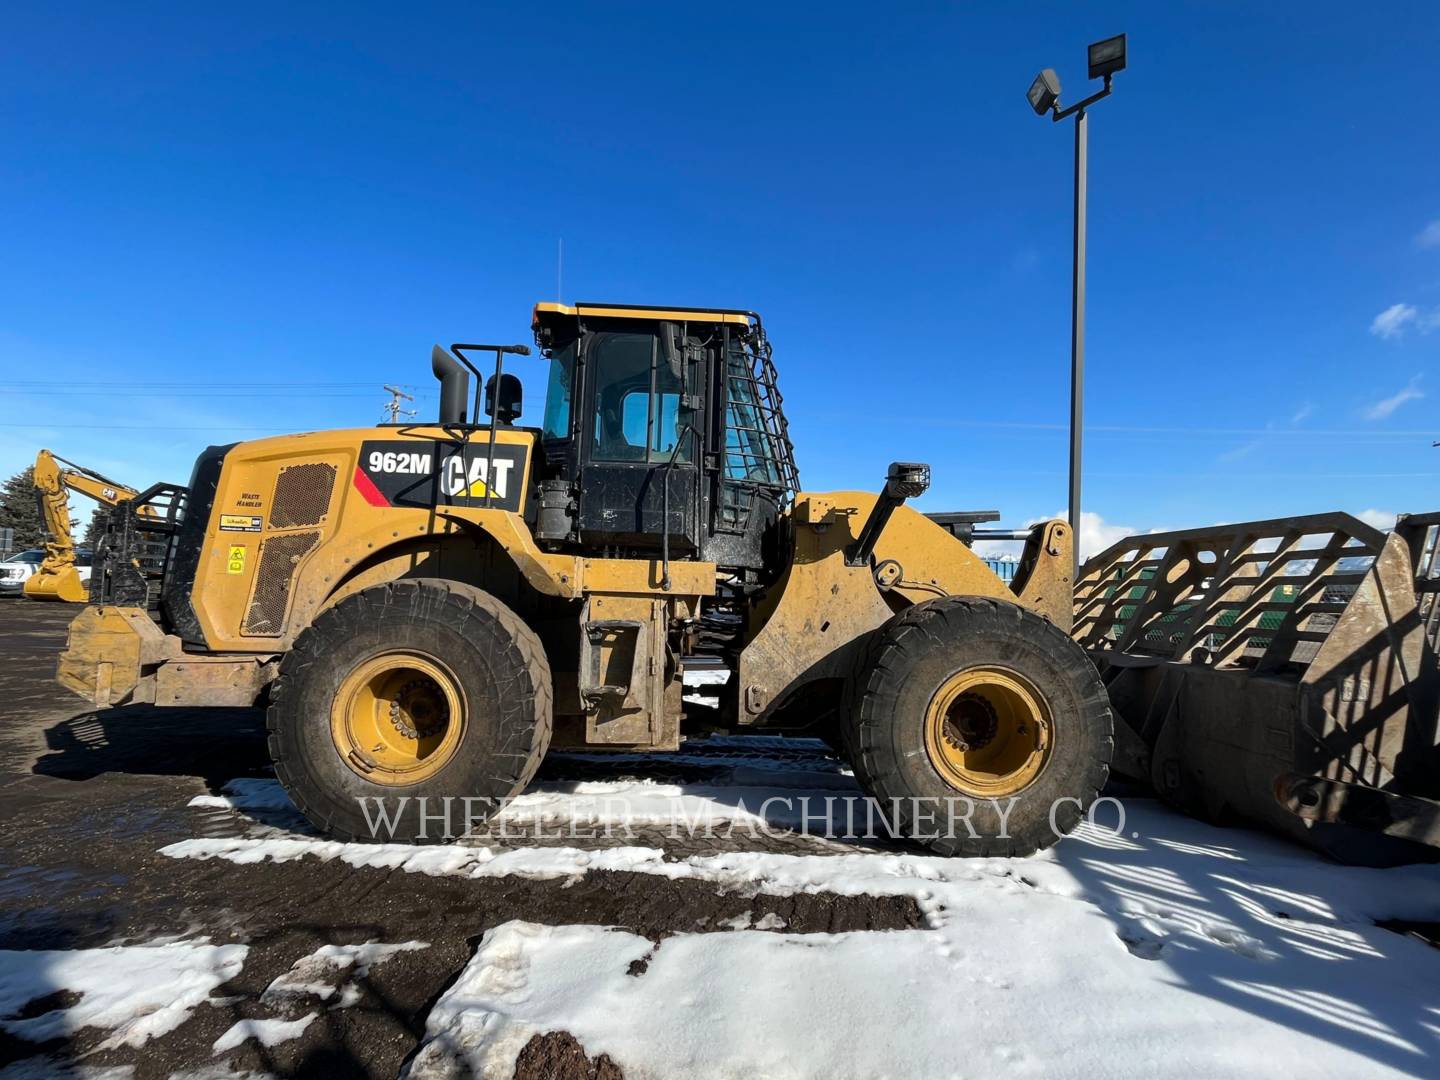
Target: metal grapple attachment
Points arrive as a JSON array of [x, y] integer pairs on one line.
[[1282, 671]]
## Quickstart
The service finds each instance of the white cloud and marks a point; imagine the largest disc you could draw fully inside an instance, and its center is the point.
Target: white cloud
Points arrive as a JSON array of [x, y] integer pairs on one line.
[[1243, 450], [1096, 534], [998, 549], [1385, 406], [1380, 519], [1399, 319], [1429, 236], [1303, 412], [1391, 322]]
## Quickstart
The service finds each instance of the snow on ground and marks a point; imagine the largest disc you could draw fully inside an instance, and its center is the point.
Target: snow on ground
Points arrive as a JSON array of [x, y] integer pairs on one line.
[[783, 799], [1043, 990], [137, 992], [265, 1032], [694, 678], [247, 794], [1187, 951], [49, 1068], [335, 967], [1160, 947]]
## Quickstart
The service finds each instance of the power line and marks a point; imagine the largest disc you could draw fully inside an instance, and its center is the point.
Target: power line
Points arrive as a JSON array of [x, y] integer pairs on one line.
[[392, 407], [308, 395], [70, 423], [187, 383], [1128, 429]]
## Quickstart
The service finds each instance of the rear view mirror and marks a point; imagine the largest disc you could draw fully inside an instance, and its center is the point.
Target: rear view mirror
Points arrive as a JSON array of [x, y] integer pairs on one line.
[[670, 348], [503, 403]]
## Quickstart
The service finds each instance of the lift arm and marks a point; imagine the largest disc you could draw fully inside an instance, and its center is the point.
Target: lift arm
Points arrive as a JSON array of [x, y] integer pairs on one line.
[[57, 578]]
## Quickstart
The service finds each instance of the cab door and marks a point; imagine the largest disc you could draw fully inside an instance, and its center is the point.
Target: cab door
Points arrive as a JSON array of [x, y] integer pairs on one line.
[[640, 436]]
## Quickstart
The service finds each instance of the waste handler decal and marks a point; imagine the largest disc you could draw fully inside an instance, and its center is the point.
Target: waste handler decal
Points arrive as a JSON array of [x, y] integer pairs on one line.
[[413, 473]]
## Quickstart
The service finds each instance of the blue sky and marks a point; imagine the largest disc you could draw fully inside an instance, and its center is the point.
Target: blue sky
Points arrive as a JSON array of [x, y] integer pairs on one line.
[[220, 224]]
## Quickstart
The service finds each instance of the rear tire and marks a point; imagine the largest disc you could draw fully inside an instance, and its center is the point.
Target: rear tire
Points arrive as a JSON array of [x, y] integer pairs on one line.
[[973, 700], [415, 689]]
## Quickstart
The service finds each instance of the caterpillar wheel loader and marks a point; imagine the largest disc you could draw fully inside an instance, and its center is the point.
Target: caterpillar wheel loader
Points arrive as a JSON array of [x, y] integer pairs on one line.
[[426, 608]]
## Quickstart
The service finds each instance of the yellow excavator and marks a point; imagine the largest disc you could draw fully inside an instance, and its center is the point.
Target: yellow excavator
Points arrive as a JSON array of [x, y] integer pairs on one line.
[[57, 577]]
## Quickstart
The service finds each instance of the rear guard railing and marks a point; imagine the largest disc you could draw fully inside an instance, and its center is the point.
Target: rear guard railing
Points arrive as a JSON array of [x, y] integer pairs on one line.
[[135, 547]]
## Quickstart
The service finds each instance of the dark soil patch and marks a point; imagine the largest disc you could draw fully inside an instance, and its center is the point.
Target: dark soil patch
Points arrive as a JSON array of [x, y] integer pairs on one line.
[[557, 1055]]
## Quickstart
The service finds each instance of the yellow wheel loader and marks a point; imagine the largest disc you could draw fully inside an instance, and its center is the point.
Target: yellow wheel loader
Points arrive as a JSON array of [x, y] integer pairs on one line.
[[428, 607], [58, 577]]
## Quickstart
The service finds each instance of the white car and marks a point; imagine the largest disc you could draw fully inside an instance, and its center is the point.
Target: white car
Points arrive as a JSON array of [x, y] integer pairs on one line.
[[17, 568]]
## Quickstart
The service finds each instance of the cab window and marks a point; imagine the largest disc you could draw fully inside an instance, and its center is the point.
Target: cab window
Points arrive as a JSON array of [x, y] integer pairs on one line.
[[639, 414], [749, 450], [557, 393]]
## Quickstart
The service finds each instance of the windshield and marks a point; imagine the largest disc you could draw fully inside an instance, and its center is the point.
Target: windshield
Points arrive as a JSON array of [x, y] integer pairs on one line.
[[557, 393], [33, 555]]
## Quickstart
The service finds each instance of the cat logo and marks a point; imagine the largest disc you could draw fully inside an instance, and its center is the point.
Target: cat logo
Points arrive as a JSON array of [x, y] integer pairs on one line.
[[457, 480]]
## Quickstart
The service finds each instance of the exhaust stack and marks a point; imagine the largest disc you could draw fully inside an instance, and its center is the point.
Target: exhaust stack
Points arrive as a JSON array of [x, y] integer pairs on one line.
[[454, 385]]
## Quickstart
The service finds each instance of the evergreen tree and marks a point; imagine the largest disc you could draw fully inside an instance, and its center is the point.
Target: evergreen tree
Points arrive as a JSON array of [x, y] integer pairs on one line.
[[20, 511], [94, 528]]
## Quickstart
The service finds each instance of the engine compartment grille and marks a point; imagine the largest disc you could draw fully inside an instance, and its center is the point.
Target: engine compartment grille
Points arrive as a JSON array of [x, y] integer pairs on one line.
[[302, 495], [279, 556]]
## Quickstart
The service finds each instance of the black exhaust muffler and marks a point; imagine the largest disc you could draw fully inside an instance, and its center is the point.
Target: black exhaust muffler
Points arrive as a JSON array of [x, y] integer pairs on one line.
[[454, 385]]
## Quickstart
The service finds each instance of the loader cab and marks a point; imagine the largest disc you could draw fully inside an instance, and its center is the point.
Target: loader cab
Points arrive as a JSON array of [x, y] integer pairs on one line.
[[662, 427]]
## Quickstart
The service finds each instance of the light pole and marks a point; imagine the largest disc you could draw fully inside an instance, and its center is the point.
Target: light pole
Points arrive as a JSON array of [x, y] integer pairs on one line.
[[1105, 57]]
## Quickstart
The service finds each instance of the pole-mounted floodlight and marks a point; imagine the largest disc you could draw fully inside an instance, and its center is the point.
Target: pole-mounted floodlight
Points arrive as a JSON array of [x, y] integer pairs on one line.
[[1044, 91], [1105, 57]]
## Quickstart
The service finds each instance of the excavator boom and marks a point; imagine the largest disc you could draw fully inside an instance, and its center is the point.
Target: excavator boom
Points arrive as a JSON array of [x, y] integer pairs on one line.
[[57, 577]]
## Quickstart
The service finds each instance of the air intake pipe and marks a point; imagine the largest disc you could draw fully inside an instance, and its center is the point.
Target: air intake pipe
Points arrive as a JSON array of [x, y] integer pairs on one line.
[[454, 386]]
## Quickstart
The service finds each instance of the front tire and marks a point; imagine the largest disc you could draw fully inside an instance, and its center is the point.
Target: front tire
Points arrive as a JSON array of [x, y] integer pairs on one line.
[[421, 689], [973, 704]]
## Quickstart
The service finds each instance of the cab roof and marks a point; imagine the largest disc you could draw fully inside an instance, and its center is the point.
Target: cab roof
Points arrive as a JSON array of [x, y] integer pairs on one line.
[[547, 311]]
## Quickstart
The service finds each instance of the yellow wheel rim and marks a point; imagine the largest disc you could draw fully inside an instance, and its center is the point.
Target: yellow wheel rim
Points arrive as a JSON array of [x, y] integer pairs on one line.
[[988, 732], [398, 718]]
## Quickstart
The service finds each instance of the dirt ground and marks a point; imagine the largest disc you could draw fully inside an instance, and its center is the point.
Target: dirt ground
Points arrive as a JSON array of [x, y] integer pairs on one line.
[[89, 797]]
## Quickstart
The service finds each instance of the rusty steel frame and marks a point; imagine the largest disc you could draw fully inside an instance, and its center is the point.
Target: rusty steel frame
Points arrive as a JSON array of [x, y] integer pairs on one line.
[[1281, 671]]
